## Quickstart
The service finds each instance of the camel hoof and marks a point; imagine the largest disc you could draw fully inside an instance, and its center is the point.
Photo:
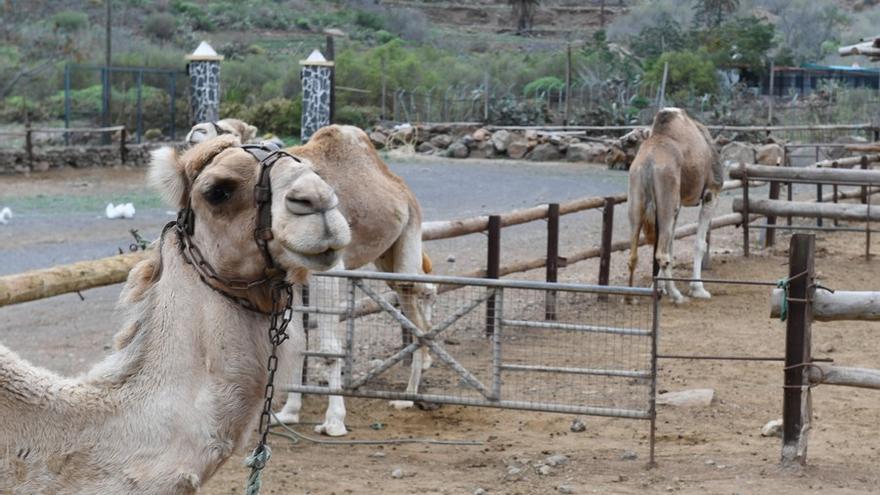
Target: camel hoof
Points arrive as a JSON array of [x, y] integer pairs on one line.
[[332, 428], [285, 418], [678, 301], [402, 404], [698, 292]]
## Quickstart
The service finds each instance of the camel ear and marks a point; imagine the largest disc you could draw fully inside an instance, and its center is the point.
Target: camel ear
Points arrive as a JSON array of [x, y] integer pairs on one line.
[[167, 176]]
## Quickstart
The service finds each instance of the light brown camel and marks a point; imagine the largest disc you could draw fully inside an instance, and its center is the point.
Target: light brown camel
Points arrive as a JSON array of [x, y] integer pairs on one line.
[[385, 221], [162, 414], [677, 165]]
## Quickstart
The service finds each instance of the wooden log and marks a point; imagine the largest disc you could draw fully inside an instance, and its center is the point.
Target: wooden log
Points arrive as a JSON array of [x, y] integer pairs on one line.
[[845, 376], [828, 175], [39, 284], [446, 229], [853, 160], [839, 211], [837, 305]]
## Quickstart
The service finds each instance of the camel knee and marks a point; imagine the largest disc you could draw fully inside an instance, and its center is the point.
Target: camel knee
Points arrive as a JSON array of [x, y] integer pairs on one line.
[[663, 260]]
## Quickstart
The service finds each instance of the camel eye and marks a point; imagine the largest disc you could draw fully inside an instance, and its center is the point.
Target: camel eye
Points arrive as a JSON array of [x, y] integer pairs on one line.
[[219, 192]]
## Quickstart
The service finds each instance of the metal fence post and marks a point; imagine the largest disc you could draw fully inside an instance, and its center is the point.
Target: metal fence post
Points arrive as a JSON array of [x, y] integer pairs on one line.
[[818, 192], [123, 151], [834, 192], [493, 267], [605, 247], [552, 259], [67, 103], [745, 223], [29, 144], [864, 165], [770, 236], [139, 113], [796, 405], [173, 130]]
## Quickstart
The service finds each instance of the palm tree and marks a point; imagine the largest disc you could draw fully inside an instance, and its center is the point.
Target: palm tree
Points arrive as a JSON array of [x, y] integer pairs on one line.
[[524, 13]]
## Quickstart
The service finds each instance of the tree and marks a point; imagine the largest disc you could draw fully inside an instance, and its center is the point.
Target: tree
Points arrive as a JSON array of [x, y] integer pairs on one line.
[[664, 36], [711, 13], [741, 42], [524, 13], [691, 73]]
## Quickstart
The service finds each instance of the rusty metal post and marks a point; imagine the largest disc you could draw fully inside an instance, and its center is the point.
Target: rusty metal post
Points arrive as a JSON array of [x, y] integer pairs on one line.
[[552, 259], [605, 249], [796, 407], [123, 151], [493, 267], [818, 192], [864, 165], [834, 193], [29, 144], [745, 223], [789, 193], [770, 235]]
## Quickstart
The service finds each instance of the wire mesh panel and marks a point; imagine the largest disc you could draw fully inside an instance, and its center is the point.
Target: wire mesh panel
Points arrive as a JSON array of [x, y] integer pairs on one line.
[[496, 343]]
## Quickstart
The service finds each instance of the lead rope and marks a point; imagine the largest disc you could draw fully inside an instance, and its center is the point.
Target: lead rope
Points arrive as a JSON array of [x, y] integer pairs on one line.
[[282, 313]]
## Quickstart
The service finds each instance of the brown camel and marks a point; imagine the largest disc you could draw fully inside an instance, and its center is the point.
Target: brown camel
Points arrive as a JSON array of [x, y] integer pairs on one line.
[[162, 414], [677, 165]]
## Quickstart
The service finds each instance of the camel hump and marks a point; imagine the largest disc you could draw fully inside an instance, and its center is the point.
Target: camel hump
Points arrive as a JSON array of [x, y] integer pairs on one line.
[[427, 264]]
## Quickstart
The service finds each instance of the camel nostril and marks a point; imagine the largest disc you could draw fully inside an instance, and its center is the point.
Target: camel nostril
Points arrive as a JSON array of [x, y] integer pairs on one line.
[[299, 205]]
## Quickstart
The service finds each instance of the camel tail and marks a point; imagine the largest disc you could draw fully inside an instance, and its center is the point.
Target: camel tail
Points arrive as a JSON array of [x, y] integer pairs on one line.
[[649, 218], [427, 265]]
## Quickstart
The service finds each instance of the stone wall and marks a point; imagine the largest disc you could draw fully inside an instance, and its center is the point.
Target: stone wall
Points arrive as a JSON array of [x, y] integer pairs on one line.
[[54, 157]]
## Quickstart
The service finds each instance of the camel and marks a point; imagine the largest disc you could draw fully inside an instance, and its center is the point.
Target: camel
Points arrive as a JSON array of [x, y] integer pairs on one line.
[[162, 414], [385, 221], [677, 165], [204, 131]]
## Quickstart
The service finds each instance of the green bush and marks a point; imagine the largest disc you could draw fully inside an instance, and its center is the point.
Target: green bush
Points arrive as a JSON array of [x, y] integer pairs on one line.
[[368, 20], [278, 116], [16, 108], [360, 116], [543, 84], [690, 73], [194, 14], [161, 26], [70, 21]]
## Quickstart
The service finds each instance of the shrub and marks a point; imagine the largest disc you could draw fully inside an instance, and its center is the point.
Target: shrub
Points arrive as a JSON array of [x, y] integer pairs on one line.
[[160, 26], [278, 116], [360, 116], [690, 72], [544, 84], [368, 20], [70, 21]]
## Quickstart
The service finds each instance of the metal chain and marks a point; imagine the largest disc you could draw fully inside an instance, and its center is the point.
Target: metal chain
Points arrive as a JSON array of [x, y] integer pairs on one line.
[[282, 314]]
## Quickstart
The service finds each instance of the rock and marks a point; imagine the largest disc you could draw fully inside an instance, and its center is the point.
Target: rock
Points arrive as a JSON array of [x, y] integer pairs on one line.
[[709, 462], [426, 148], [544, 153], [480, 491], [544, 470], [586, 152], [41, 166], [403, 132], [769, 154], [450, 258], [397, 473], [577, 426], [482, 149], [565, 489], [513, 471], [772, 429], [531, 135], [458, 150], [153, 134], [687, 398], [378, 454], [441, 141], [827, 347], [629, 455], [517, 148], [378, 139], [481, 134], [500, 140], [737, 152], [556, 460]]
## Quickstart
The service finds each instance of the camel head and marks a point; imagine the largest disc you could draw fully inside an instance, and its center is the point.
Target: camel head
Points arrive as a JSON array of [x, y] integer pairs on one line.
[[209, 130], [216, 180]]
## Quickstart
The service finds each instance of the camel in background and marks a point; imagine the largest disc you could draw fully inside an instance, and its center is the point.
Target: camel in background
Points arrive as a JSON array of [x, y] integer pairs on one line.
[[677, 165]]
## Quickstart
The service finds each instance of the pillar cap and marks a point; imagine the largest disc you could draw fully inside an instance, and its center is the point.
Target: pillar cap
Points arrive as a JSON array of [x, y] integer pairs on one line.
[[316, 58], [204, 52]]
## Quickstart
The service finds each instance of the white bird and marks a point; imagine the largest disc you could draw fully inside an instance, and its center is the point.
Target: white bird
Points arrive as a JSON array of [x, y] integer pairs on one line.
[[119, 211], [5, 215]]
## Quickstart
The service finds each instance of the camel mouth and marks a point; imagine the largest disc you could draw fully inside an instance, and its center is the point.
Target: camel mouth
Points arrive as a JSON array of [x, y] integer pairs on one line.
[[320, 261]]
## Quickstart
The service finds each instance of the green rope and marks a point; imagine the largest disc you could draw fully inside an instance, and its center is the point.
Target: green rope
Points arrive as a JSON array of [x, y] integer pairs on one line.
[[783, 284], [256, 461]]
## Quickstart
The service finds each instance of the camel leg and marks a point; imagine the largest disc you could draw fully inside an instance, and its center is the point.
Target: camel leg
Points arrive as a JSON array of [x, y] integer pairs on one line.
[[707, 208], [668, 205], [415, 300]]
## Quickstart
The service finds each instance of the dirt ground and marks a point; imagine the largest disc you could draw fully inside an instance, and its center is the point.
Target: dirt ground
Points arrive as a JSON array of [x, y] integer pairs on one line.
[[715, 449]]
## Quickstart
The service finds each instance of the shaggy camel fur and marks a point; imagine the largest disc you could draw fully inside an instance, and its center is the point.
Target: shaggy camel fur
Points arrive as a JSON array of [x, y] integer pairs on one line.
[[162, 414], [385, 220], [677, 165]]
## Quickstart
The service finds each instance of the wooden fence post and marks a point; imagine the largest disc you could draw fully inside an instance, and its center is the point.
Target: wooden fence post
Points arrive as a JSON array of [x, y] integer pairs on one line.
[[605, 247], [29, 144], [796, 413], [818, 191], [745, 213], [493, 267], [552, 259], [123, 151], [864, 165], [770, 235]]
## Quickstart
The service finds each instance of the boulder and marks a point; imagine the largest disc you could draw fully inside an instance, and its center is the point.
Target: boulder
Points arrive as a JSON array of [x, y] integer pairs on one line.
[[544, 153], [769, 154], [457, 150], [687, 398], [531, 135], [500, 140], [482, 134], [482, 149], [426, 148], [517, 148], [441, 141], [737, 152], [587, 152], [378, 139]]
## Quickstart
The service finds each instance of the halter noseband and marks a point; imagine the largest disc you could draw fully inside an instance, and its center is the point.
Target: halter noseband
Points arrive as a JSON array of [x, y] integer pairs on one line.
[[267, 155]]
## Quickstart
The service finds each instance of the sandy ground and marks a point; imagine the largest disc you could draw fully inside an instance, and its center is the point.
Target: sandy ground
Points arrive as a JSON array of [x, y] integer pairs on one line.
[[715, 449]]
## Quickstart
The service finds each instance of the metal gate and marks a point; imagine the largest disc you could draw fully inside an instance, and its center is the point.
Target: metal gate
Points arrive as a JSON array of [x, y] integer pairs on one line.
[[552, 347]]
